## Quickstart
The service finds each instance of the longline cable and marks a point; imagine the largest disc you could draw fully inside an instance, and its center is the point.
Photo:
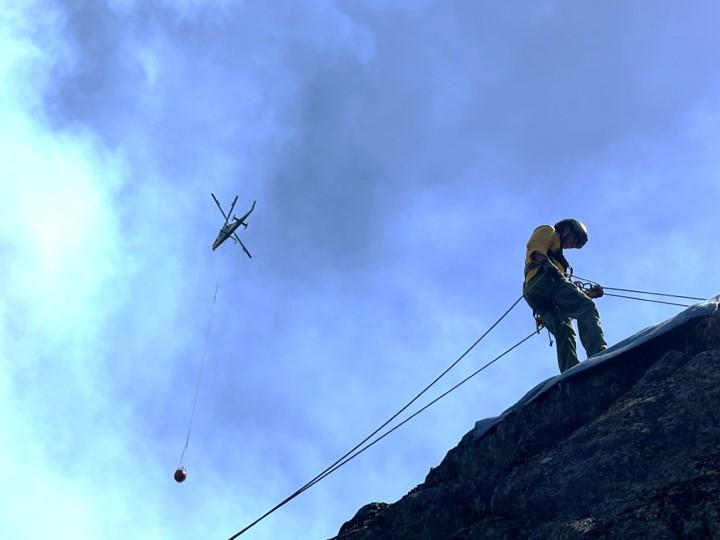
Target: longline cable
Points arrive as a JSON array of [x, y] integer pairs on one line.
[[180, 473]]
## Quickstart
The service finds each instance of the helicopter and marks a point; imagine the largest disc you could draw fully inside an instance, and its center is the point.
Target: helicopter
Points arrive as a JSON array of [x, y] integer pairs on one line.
[[228, 229]]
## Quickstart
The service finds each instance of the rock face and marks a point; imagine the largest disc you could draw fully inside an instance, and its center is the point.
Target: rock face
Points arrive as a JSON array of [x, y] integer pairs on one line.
[[627, 449]]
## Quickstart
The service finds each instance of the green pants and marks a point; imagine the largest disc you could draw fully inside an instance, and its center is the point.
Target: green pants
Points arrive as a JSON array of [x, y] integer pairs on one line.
[[558, 301]]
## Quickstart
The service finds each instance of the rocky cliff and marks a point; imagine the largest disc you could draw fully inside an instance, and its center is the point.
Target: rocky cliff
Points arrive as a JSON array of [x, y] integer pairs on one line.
[[629, 448]]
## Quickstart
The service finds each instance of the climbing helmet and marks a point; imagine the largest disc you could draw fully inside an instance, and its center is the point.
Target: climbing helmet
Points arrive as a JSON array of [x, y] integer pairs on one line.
[[578, 229]]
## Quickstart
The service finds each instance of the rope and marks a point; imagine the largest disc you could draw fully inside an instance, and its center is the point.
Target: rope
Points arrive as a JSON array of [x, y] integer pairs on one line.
[[441, 396], [200, 374], [642, 292], [349, 455], [362, 446], [646, 299]]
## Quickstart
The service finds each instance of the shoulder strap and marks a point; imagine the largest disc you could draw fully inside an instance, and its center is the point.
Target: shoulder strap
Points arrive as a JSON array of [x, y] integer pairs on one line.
[[560, 257]]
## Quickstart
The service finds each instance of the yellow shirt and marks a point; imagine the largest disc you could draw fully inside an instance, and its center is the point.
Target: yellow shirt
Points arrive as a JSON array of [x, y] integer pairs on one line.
[[544, 241]]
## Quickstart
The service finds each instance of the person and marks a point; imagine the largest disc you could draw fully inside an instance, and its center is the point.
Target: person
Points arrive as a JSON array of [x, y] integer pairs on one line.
[[554, 299]]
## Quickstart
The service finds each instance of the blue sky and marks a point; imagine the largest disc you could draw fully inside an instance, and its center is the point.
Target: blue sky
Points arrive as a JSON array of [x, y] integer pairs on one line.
[[400, 155]]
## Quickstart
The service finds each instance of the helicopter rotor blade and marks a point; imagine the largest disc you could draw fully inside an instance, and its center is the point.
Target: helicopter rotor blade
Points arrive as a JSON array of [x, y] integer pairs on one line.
[[232, 207], [220, 208], [236, 237]]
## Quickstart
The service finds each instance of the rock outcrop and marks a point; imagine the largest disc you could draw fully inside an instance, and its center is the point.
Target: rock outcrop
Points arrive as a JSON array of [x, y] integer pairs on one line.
[[627, 449]]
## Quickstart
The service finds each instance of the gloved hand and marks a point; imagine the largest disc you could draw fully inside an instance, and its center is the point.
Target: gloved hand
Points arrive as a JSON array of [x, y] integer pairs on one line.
[[596, 291]]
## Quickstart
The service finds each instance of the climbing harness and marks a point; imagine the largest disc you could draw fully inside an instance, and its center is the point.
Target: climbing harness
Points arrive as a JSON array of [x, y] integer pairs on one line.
[[540, 324], [364, 445], [181, 472]]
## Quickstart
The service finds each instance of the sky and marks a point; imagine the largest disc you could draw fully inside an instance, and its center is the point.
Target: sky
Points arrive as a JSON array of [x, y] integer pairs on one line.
[[400, 154]]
